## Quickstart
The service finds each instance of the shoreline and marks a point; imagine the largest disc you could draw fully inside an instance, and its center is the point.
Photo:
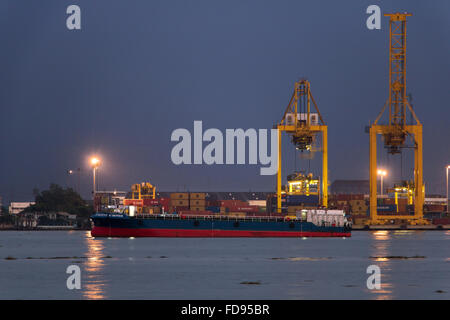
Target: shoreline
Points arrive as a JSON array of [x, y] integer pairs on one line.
[[400, 227]]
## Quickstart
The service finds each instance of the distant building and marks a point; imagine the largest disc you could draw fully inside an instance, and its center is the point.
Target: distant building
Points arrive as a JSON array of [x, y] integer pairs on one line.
[[66, 215], [350, 187], [17, 207]]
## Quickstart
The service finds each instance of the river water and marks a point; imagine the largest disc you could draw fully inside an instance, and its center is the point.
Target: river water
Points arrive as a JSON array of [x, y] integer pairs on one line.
[[413, 265]]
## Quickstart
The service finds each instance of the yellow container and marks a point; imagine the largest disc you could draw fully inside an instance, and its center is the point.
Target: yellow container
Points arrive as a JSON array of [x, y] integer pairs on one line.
[[197, 208], [179, 203], [179, 196], [237, 214], [198, 195], [294, 209], [197, 203]]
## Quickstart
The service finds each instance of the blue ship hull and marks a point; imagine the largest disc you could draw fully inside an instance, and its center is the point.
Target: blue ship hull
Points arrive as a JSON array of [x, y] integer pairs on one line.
[[121, 225]]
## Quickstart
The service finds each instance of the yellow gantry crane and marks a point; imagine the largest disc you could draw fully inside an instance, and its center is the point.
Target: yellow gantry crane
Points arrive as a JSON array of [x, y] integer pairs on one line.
[[302, 184], [397, 130], [303, 126], [144, 190], [404, 190]]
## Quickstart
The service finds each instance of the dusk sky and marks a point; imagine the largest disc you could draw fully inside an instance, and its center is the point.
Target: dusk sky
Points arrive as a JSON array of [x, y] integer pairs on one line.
[[137, 70]]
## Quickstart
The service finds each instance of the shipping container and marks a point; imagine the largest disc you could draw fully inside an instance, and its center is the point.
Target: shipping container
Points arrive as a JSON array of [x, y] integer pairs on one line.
[[179, 203], [434, 207], [360, 221], [244, 208], [212, 203], [150, 202], [232, 203], [357, 203], [214, 209], [441, 221], [432, 215], [197, 202], [179, 196], [294, 209], [197, 208], [348, 197], [402, 208], [164, 202], [302, 199], [295, 200], [385, 209], [133, 202], [259, 203], [178, 209], [223, 209], [151, 210], [197, 195], [237, 214]]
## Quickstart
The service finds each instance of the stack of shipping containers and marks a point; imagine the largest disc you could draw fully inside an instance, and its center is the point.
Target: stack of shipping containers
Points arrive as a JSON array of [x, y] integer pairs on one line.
[[197, 201]]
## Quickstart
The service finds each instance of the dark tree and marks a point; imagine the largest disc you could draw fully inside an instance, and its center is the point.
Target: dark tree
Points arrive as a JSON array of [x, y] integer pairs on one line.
[[58, 199]]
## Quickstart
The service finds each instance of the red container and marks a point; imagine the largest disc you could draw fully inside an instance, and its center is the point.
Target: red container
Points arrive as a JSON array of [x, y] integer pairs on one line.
[[232, 203], [212, 203], [441, 221], [150, 202], [246, 208], [164, 202], [348, 197], [177, 209], [133, 202], [434, 207]]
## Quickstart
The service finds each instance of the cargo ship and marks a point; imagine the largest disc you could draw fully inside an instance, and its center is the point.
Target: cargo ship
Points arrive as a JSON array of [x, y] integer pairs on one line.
[[309, 223]]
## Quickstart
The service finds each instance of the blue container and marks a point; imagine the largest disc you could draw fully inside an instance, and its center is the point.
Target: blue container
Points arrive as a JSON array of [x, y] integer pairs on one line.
[[274, 200], [301, 199], [213, 209], [385, 208]]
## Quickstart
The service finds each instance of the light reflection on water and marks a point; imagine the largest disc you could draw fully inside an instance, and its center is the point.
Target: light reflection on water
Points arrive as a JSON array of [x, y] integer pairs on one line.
[[447, 234], [94, 285], [381, 243]]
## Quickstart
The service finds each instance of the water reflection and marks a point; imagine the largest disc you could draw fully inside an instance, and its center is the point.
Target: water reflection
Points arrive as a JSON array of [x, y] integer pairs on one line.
[[447, 235], [94, 284], [381, 245], [385, 293], [381, 235]]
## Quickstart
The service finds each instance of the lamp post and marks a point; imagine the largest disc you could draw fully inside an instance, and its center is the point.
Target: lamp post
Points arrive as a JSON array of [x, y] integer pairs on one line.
[[95, 163], [448, 167], [382, 173], [69, 173]]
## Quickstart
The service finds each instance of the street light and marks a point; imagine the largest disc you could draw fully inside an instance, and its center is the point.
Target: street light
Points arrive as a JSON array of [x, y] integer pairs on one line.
[[382, 173], [95, 163], [71, 172], [448, 167]]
